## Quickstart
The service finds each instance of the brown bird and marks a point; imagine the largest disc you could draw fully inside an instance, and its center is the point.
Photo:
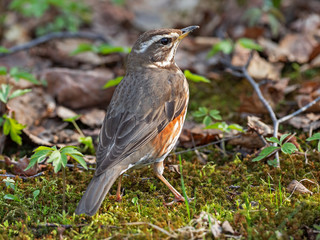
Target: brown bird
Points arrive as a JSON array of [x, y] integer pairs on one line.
[[145, 117]]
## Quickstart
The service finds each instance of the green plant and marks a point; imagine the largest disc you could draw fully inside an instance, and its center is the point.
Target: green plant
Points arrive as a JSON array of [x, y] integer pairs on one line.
[[10, 184], [285, 147], [86, 141], [195, 77], [113, 82], [314, 137], [103, 49], [135, 202], [270, 9], [208, 116], [70, 14], [317, 227], [227, 46], [59, 159], [10, 126]]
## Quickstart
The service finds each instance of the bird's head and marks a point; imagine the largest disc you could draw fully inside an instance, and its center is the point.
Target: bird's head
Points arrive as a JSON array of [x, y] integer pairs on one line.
[[156, 48]]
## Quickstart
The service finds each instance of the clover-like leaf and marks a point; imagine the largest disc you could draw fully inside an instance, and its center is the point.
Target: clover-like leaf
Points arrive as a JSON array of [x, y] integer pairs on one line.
[[265, 153], [288, 148], [215, 114], [225, 46], [274, 140]]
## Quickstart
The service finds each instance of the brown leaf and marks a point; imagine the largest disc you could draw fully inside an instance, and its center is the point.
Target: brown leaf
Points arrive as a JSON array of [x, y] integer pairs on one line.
[[92, 117], [255, 124], [295, 186], [298, 46], [273, 93], [20, 165], [64, 112], [258, 68], [78, 89], [199, 135]]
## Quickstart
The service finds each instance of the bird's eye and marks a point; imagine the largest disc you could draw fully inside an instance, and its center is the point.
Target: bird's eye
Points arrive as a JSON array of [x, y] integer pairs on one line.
[[165, 41]]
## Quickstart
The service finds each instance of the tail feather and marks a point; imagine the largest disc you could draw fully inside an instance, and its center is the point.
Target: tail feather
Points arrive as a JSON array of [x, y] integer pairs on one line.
[[96, 191]]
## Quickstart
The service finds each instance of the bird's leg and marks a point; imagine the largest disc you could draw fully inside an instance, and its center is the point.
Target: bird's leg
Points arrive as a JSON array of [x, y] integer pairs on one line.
[[118, 194], [158, 170]]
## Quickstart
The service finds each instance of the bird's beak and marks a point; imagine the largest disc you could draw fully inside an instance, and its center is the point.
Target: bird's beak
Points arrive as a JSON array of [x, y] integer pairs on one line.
[[186, 31]]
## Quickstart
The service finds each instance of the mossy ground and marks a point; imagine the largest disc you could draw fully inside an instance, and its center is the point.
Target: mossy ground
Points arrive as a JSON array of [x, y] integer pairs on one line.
[[251, 196]]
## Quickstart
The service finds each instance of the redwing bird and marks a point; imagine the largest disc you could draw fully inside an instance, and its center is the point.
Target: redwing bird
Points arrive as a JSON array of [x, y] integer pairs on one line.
[[145, 116]]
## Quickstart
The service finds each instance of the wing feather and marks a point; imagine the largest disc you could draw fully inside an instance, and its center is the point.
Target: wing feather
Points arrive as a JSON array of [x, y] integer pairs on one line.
[[128, 126]]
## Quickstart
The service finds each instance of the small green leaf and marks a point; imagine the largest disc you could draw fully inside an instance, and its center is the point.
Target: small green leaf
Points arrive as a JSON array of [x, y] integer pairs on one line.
[[83, 47], [265, 153], [4, 92], [71, 119], [11, 197], [108, 49], [207, 120], [70, 150], [274, 140], [284, 136], [315, 136], [17, 75], [225, 46], [195, 77], [3, 70], [249, 44], [288, 148], [64, 159], [204, 110], [198, 114], [273, 162], [236, 127], [14, 128], [36, 194], [215, 114], [19, 92], [43, 148], [79, 159], [87, 141], [4, 50], [54, 156], [113, 82]]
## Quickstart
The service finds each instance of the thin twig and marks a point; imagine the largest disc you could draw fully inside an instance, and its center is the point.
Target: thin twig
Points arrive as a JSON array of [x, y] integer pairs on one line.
[[22, 177], [242, 71], [304, 108], [55, 35]]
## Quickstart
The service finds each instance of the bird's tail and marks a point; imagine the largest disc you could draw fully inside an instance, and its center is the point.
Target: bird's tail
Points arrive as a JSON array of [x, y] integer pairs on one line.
[[96, 191]]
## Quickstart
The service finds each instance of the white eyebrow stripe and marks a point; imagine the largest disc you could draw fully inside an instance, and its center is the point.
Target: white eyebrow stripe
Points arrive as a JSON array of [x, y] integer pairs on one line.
[[144, 46]]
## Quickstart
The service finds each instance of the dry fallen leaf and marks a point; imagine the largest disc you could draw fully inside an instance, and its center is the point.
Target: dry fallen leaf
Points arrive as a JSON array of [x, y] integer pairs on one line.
[[255, 124], [295, 186], [298, 46], [227, 228], [78, 89], [20, 165], [194, 134], [258, 68]]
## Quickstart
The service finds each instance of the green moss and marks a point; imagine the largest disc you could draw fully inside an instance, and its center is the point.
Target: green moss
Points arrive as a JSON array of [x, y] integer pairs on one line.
[[244, 193]]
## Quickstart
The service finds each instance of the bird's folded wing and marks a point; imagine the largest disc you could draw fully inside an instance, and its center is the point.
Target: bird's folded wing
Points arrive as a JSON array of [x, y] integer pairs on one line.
[[135, 118]]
